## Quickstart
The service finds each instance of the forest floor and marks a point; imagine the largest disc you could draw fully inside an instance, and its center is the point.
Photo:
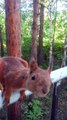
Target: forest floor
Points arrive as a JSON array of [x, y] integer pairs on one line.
[[46, 105]]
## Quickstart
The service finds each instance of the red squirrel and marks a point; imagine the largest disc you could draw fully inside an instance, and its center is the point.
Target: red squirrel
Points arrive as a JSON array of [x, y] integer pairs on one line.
[[16, 74]]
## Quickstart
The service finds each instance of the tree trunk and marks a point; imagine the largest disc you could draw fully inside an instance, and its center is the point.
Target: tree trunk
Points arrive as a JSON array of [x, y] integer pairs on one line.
[[14, 112], [51, 41], [34, 29], [1, 43], [64, 61], [52, 33], [13, 35], [40, 47], [13, 31]]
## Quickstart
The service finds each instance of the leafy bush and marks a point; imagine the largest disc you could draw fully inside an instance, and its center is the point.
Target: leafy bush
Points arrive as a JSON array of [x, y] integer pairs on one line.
[[26, 48], [33, 110], [58, 51]]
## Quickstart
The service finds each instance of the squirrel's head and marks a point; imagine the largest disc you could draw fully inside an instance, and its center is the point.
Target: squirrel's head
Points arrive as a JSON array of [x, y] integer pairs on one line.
[[39, 81]]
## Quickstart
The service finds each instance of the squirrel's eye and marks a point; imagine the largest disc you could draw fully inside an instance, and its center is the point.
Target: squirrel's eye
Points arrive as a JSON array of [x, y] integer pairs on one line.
[[33, 77]]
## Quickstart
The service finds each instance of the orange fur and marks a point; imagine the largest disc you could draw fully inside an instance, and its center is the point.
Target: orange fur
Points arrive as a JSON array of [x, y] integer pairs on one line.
[[15, 74]]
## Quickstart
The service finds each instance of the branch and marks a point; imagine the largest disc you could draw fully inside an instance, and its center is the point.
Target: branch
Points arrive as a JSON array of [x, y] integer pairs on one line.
[[56, 75]]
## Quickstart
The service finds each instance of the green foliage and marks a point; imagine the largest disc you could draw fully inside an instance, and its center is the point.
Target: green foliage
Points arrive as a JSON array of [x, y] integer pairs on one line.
[[26, 37], [33, 110], [57, 52], [36, 112], [46, 34], [26, 48], [2, 24], [26, 29]]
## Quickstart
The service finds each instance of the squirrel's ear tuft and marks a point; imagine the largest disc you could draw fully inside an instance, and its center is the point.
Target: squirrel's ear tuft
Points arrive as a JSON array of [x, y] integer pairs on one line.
[[33, 65], [24, 62], [49, 69]]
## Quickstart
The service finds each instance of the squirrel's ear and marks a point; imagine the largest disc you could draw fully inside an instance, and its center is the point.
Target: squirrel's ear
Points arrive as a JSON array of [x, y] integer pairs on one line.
[[49, 69], [24, 62], [33, 65]]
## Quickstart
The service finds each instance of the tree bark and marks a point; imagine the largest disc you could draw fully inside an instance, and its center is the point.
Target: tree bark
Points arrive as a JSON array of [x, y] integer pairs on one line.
[[40, 47], [1, 43], [51, 41], [14, 112], [52, 33], [13, 31], [34, 29], [13, 35]]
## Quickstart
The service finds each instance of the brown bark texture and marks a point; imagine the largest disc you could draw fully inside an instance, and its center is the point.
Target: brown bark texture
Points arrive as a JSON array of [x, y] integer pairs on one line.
[[51, 41], [40, 47], [13, 112], [34, 29], [13, 31], [1, 43]]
